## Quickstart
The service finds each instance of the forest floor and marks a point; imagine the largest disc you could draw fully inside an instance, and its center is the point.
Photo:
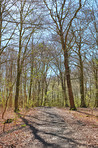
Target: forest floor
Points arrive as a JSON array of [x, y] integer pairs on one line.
[[50, 127]]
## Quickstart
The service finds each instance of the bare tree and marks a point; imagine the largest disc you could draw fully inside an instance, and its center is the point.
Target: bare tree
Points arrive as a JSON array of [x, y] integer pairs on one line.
[[57, 64], [32, 67], [23, 35], [59, 16], [79, 52]]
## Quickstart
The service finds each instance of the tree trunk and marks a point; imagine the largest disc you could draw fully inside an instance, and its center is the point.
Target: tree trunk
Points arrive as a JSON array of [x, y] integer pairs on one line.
[[17, 91], [19, 68], [32, 66], [42, 95], [46, 88], [81, 79], [67, 71], [39, 89], [71, 98], [65, 95], [25, 86], [0, 24], [96, 86], [63, 84], [64, 92], [31, 80], [53, 85], [45, 99], [25, 94], [10, 89], [0, 44]]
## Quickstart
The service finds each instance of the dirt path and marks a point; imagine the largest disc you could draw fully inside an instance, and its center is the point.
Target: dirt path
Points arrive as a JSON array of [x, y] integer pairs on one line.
[[48, 129]]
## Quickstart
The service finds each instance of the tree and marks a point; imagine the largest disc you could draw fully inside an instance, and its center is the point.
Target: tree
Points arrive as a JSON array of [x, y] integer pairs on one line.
[[32, 67], [6, 29], [78, 50], [25, 33], [43, 70], [0, 23], [92, 42], [59, 15], [95, 59], [57, 64], [0, 42]]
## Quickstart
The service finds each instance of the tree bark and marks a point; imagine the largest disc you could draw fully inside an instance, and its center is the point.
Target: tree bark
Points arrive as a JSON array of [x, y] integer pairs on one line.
[[25, 86], [19, 68], [66, 63], [0, 42], [46, 89], [81, 78], [65, 94], [65, 97], [96, 85], [31, 76], [0, 24], [63, 84], [39, 89], [67, 72], [10, 89], [17, 90]]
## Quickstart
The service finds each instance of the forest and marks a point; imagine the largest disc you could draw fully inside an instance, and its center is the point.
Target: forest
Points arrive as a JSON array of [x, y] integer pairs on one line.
[[48, 53], [48, 73]]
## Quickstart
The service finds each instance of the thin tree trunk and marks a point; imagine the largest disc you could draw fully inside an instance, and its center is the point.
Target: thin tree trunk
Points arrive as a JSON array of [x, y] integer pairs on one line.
[[63, 88], [0, 42], [81, 78], [31, 77], [10, 89], [46, 88], [17, 91], [25, 94], [38, 91], [65, 97], [65, 94], [53, 92], [96, 86], [0, 24], [19, 68], [42, 93], [30, 88], [32, 66], [25, 85], [45, 99]]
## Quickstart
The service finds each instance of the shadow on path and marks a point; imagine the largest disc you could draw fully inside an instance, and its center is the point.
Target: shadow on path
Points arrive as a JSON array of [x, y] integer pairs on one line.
[[35, 133], [55, 121], [51, 131]]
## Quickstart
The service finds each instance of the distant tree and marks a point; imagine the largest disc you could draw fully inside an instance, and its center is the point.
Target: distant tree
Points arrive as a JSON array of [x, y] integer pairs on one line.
[[57, 64], [92, 42], [79, 52], [95, 59]]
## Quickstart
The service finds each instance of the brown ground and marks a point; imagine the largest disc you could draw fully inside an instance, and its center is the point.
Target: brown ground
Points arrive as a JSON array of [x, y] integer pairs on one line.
[[46, 127]]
